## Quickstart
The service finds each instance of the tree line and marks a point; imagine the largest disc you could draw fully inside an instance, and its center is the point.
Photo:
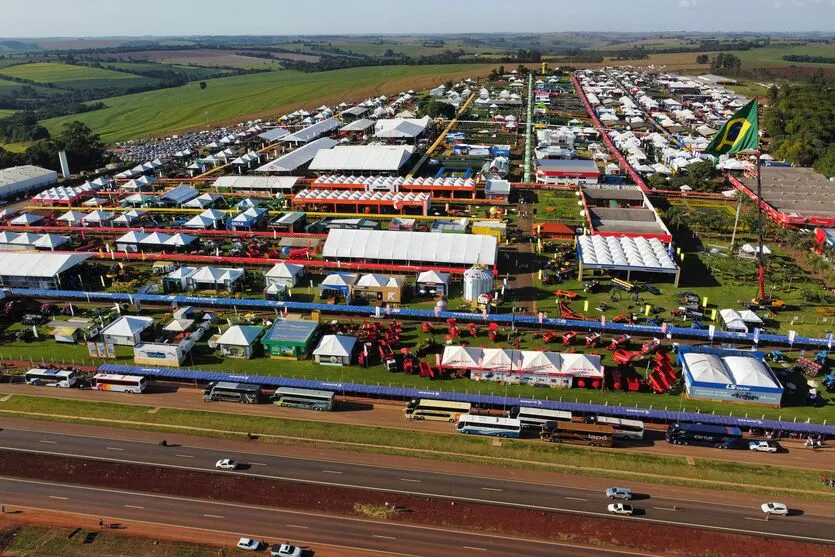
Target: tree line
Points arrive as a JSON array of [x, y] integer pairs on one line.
[[85, 150]]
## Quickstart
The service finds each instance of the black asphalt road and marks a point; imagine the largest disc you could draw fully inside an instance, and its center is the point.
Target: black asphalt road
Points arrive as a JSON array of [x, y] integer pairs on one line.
[[688, 512], [272, 525]]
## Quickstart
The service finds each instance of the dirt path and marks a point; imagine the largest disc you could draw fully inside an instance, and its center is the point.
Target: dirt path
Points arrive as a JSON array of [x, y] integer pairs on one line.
[[525, 273]]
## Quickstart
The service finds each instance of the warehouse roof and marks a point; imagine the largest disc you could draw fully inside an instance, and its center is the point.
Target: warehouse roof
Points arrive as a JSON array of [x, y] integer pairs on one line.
[[299, 157], [364, 158], [180, 194], [37, 265], [25, 172], [358, 126], [568, 166], [401, 128], [313, 132], [274, 134], [459, 249]]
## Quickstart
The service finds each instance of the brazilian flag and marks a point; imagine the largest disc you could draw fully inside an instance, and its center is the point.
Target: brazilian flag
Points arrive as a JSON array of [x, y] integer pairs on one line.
[[740, 133]]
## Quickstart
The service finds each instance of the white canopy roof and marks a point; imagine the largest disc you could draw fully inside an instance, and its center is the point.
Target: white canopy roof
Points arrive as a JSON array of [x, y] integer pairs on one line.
[[461, 357], [128, 325], [35, 265], [240, 335], [362, 158], [500, 359], [433, 277], [458, 249], [707, 368], [284, 270], [750, 372], [301, 156], [335, 345], [625, 252]]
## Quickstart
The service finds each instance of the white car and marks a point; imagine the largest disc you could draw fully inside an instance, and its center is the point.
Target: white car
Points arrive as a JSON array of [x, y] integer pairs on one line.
[[226, 464], [285, 550], [619, 493], [763, 446], [248, 544], [621, 508], [775, 508]]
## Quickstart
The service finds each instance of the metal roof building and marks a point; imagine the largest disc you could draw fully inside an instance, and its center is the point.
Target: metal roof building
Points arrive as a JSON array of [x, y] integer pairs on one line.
[[23, 178], [37, 270], [411, 247], [256, 183], [362, 158], [313, 132], [294, 160]]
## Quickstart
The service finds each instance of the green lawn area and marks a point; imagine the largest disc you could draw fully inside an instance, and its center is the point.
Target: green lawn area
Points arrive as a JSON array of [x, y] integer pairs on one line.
[[36, 541], [5, 113], [557, 205], [74, 77], [512, 453], [14, 147], [240, 97]]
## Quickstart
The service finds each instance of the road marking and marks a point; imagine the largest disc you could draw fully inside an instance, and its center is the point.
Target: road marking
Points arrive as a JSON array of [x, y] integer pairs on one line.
[[56, 497], [474, 548], [666, 508], [212, 516], [383, 537], [491, 489], [575, 498], [753, 518], [114, 449], [257, 464], [331, 471], [410, 480], [184, 455], [5, 398], [297, 526], [134, 507], [49, 442]]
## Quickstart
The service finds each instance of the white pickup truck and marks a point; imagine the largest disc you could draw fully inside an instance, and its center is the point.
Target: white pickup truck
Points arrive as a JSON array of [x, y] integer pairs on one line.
[[763, 446]]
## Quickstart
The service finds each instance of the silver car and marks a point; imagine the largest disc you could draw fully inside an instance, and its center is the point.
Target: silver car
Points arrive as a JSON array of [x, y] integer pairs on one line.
[[622, 493]]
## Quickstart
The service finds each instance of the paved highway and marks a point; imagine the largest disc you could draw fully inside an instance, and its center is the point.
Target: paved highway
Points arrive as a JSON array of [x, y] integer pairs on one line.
[[274, 525], [386, 414], [742, 518]]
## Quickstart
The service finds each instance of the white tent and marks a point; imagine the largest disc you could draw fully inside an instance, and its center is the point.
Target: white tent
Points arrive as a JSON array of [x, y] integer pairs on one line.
[[461, 357], [581, 365], [540, 362], [335, 350], [500, 359]]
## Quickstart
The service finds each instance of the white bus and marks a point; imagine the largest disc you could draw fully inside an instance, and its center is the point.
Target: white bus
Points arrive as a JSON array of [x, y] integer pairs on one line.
[[429, 409], [304, 398], [119, 383], [535, 418], [623, 429], [489, 425], [60, 378]]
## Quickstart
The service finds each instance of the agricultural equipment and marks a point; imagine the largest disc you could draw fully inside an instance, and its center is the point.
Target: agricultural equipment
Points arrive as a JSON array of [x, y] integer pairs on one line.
[[623, 285], [651, 346], [565, 294], [651, 289], [13, 309], [618, 342], [567, 313], [427, 327], [33, 319], [549, 336], [593, 339], [624, 318], [829, 382], [821, 356], [568, 338], [807, 367], [690, 298], [591, 287], [765, 303], [388, 358], [777, 356], [625, 357]]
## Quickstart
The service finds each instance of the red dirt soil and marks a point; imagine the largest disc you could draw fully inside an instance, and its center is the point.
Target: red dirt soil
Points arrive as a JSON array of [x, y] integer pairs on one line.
[[651, 538]]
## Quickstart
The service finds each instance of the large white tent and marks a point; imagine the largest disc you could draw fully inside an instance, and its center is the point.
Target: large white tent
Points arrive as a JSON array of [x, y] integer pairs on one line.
[[362, 158], [414, 247]]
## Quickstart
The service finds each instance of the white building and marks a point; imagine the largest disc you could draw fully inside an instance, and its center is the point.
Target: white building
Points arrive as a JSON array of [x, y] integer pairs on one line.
[[126, 330]]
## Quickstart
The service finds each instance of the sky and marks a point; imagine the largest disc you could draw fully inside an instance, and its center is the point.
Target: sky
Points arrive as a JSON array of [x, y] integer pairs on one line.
[[98, 18]]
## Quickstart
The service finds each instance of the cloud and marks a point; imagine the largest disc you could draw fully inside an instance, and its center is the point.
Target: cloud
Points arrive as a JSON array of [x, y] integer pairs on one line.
[[689, 3]]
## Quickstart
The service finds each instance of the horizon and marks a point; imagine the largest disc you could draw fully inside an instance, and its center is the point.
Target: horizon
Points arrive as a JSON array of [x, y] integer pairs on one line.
[[48, 19]]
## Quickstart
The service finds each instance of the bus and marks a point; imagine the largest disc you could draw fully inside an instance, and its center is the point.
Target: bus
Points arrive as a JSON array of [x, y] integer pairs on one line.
[[304, 398], [441, 410], [119, 383], [489, 425], [61, 378], [226, 391], [535, 418], [717, 436], [632, 430], [577, 434]]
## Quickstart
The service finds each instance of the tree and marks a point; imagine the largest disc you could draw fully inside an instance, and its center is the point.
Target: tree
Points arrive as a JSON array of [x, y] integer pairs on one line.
[[439, 109], [675, 217], [203, 85], [389, 53], [726, 63], [773, 94], [84, 148], [702, 59]]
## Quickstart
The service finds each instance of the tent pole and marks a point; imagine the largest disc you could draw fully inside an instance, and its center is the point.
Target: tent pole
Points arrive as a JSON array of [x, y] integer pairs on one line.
[[760, 267]]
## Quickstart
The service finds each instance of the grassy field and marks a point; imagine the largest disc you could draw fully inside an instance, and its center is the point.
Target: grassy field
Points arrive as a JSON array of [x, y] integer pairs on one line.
[[233, 99], [14, 147], [206, 57], [4, 113], [74, 77], [36, 541], [513, 453], [413, 50]]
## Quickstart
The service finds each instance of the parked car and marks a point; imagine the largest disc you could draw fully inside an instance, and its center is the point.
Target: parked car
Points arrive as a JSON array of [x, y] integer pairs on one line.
[[285, 550], [763, 446], [620, 508], [249, 544], [775, 508], [226, 464], [619, 493]]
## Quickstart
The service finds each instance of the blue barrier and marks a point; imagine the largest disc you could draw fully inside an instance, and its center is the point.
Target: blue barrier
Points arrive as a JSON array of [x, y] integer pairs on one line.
[[356, 389], [702, 335]]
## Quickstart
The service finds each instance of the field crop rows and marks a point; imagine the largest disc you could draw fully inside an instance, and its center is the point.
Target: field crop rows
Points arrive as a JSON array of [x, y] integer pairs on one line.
[[75, 77]]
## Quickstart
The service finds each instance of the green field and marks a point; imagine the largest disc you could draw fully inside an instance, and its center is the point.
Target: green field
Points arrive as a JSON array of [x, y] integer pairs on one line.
[[4, 113], [241, 97], [413, 50], [75, 77]]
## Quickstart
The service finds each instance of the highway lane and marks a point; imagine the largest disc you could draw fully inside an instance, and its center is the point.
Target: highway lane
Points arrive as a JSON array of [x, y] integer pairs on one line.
[[274, 525], [386, 414], [744, 518]]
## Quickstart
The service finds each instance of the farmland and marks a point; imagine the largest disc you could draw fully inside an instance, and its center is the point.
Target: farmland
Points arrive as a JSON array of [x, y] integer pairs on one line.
[[241, 97], [4, 113], [211, 57], [75, 77]]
